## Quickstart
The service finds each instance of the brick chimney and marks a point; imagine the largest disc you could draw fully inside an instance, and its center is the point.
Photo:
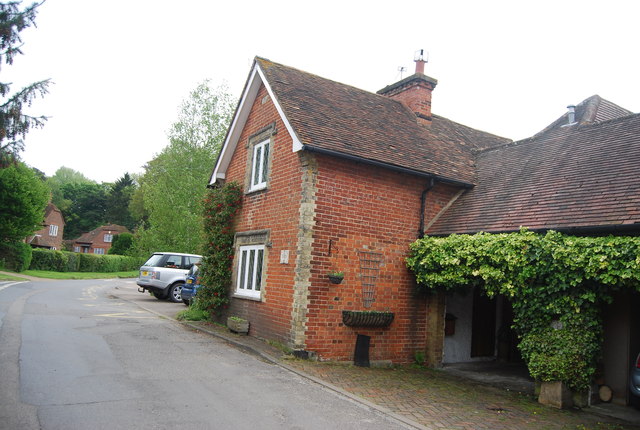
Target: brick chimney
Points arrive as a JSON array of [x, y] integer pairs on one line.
[[414, 91]]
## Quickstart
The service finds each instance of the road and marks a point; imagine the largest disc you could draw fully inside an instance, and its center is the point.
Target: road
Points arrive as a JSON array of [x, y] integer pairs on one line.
[[74, 356]]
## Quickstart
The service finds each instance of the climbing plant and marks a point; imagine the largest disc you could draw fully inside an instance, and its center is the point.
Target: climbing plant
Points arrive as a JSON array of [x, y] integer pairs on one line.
[[556, 283], [220, 207]]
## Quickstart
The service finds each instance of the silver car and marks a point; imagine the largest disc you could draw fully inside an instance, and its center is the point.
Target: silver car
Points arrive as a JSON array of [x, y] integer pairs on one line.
[[164, 274]]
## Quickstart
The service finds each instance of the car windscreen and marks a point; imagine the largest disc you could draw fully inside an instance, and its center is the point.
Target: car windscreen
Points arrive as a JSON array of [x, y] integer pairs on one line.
[[154, 261]]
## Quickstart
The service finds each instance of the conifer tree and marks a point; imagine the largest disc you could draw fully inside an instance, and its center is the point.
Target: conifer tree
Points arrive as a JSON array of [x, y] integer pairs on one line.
[[14, 122]]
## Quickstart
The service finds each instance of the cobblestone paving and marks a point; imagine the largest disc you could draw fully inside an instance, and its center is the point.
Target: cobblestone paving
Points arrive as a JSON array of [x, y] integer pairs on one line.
[[440, 401]]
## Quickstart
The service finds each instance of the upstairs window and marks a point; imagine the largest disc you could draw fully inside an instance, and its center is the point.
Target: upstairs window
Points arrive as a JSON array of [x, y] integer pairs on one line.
[[108, 238], [260, 166], [250, 264], [53, 230]]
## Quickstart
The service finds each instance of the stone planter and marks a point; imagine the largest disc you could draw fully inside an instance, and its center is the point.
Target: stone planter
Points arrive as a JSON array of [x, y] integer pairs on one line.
[[367, 318], [238, 325], [555, 394]]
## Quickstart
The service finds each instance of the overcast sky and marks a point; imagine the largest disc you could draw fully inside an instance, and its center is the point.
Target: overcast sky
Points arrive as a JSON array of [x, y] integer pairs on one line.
[[122, 67]]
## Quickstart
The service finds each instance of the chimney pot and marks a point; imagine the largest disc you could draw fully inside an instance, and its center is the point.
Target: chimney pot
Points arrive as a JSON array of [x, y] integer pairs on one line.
[[420, 61], [571, 114]]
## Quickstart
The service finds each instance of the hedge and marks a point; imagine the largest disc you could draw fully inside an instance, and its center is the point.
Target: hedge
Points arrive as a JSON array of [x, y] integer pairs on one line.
[[64, 261], [15, 256]]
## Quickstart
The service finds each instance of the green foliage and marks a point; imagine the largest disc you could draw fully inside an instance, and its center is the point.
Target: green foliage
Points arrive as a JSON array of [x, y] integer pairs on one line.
[[565, 354], [221, 206], [15, 256], [548, 278], [63, 261], [122, 244], [14, 124], [118, 199], [64, 176], [87, 208], [174, 183], [23, 198], [193, 313]]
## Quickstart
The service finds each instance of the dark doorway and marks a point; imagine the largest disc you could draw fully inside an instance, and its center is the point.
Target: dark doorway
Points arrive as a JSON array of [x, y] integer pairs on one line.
[[483, 327]]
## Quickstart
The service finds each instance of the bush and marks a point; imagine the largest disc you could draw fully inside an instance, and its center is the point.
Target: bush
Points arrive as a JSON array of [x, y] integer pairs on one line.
[[15, 256], [561, 355], [122, 244], [64, 261]]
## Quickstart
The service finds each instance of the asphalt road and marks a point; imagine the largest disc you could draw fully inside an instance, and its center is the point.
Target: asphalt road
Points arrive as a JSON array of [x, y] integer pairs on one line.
[[73, 356]]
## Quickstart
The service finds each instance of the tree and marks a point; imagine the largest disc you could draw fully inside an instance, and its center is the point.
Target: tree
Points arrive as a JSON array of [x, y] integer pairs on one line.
[[174, 183], [62, 177], [122, 244], [23, 198], [118, 200], [87, 209], [14, 122]]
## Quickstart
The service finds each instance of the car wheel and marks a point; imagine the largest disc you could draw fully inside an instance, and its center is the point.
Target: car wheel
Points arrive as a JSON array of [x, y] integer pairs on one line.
[[160, 295], [175, 292]]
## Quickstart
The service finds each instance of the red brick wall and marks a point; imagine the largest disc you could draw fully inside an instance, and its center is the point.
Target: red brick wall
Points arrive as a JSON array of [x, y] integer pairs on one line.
[[364, 208], [276, 209]]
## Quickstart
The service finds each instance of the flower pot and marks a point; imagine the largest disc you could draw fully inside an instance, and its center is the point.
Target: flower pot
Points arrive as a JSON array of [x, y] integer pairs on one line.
[[367, 318], [335, 279], [238, 325], [555, 394]]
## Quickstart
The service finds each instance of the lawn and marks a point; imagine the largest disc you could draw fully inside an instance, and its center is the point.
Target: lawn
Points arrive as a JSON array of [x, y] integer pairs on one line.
[[67, 275]]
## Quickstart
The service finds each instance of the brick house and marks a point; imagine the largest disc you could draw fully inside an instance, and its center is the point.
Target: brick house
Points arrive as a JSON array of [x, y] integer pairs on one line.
[[337, 178], [50, 235], [99, 240]]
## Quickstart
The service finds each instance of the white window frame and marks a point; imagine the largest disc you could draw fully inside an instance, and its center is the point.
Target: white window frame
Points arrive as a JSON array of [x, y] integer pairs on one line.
[[108, 237], [259, 166], [98, 251], [53, 230], [250, 282]]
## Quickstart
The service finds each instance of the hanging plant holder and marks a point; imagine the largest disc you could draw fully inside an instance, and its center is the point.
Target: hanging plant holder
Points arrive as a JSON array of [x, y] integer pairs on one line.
[[367, 318], [335, 279]]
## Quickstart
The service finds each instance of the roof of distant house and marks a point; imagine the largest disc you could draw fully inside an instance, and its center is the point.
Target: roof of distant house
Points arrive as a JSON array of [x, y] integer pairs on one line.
[[110, 228]]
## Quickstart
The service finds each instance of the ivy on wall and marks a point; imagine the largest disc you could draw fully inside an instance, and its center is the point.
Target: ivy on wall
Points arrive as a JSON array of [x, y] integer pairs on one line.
[[220, 207], [556, 284]]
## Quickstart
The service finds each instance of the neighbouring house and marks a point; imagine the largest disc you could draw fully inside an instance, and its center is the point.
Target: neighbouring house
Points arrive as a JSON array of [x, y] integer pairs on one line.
[[98, 241], [50, 235], [340, 179]]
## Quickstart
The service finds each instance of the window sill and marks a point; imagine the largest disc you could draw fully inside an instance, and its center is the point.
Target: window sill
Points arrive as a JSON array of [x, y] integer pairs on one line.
[[245, 297]]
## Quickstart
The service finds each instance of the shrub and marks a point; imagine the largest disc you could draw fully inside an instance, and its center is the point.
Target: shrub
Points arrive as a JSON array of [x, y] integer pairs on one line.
[[15, 256]]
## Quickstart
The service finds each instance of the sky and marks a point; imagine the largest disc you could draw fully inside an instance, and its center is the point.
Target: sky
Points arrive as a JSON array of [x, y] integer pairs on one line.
[[121, 68]]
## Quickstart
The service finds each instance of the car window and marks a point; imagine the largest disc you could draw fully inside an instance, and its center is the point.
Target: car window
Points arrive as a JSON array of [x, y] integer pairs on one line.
[[154, 260], [190, 261], [174, 262]]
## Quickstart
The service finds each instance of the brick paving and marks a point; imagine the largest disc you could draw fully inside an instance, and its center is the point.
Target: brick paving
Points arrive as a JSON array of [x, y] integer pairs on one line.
[[437, 400]]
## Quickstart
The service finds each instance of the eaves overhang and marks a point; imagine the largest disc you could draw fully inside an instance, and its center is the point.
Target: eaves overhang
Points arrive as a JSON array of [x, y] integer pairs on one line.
[[255, 80], [389, 166]]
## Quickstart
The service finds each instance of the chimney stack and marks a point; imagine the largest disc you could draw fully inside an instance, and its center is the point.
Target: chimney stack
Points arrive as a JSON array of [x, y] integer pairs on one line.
[[414, 91]]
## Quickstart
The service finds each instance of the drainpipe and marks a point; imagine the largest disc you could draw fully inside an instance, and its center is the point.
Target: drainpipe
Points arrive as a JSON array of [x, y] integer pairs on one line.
[[423, 205]]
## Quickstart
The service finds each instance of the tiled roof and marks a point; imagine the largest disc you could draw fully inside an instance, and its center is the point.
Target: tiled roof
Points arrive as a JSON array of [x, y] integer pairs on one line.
[[565, 178], [90, 236], [335, 117], [592, 110]]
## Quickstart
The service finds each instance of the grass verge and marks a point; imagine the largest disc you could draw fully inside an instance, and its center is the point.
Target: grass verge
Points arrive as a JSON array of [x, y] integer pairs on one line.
[[6, 277], [78, 275]]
